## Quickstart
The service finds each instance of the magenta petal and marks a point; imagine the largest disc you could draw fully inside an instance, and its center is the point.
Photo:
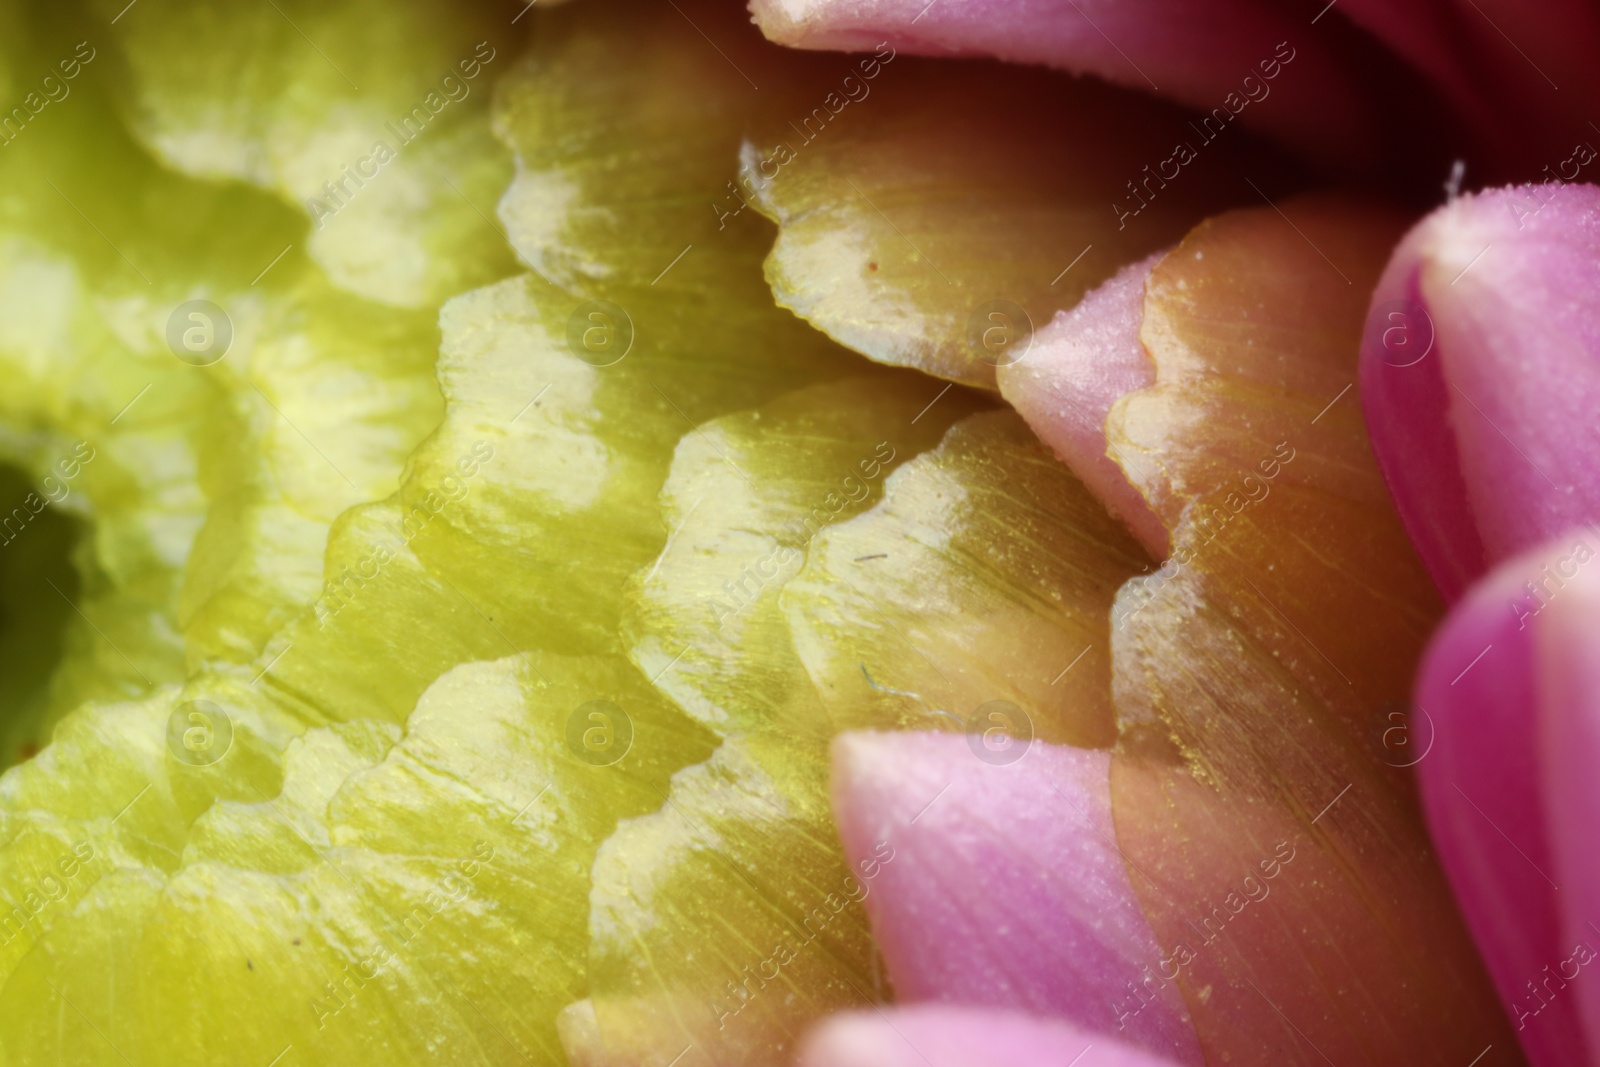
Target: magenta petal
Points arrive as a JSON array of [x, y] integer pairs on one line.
[[1569, 682], [1477, 699], [1079, 365], [962, 1037], [1196, 53], [1500, 69], [1480, 375], [1005, 888]]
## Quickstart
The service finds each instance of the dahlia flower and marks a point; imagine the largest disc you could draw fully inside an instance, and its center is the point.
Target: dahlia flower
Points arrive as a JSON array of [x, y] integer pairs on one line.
[[880, 532]]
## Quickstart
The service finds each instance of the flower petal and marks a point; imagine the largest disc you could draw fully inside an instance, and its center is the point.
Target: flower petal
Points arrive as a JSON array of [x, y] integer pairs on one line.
[[984, 576], [1079, 366], [1478, 698], [1569, 682], [1198, 54], [1522, 84], [374, 133], [727, 921], [1002, 886], [956, 1037], [1280, 859], [1479, 379], [917, 230]]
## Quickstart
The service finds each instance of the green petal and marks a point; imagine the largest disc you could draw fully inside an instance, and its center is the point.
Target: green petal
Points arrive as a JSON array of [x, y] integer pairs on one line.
[[987, 574], [932, 216], [362, 116], [436, 878], [729, 920], [746, 496]]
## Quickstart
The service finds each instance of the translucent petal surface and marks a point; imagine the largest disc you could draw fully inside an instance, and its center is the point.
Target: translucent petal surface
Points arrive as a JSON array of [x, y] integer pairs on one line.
[[1286, 871], [428, 893], [743, 514], [985, 575], [333, 584], [728, 920], [691, 904], [901, 237], [370, 118]]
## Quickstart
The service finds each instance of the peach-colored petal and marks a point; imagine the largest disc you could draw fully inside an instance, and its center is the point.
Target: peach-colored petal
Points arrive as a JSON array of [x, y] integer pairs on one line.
[[1289, 875]]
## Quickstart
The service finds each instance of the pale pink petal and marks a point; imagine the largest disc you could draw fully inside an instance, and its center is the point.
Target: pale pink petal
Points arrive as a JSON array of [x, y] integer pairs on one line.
[[1568, 659], [1480, 375], [1079, 365], [963, 1037], [1001, 885], [1475, 725]]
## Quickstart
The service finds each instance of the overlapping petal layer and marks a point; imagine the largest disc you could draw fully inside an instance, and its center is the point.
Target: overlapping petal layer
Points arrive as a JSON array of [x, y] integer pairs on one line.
[[555, 444], [1395, 89], [1225, 55], [513, 529], [1081, 364], [1281, 865], [1500, 803], [901, 237], [370, 119], [946, 1037], [442, 643], [727, 921], [1016, 866], [1478, 374]]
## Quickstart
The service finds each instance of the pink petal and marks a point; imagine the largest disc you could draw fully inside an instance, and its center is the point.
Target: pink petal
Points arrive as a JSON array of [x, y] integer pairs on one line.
[[1198, 54], [1477, 699], [962, 1037], [1480, 376], [1079, 365], [1005, 888], [1499, 70], [1569, 688]]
